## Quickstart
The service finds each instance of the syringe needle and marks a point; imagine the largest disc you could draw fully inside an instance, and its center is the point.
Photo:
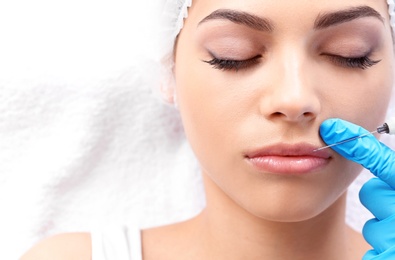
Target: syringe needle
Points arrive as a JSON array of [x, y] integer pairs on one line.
[[345, 141], [387, 128]]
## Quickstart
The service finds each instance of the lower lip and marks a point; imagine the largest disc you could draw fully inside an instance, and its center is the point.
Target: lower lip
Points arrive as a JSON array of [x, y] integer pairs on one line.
[[288, 165]]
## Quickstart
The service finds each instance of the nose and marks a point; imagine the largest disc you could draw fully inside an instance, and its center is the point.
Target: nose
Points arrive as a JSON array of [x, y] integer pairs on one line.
[[292, 93]]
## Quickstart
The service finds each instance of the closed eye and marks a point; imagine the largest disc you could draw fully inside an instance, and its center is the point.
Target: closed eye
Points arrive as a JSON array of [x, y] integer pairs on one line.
[[363, 62], [230, 64]]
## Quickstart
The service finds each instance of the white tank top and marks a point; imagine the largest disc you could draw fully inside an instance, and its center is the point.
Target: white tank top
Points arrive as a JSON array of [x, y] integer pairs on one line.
[[116, 244]]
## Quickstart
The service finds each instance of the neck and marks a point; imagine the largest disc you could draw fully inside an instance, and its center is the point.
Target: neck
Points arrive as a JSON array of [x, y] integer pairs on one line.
[[233, 233]]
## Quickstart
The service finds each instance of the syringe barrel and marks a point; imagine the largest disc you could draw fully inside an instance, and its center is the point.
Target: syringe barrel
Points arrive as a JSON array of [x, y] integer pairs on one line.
[[388, 127], [384, 129]]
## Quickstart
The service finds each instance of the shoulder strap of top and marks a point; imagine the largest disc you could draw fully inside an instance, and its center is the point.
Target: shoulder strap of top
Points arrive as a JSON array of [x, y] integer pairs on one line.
[[116, 243], [135, 244]]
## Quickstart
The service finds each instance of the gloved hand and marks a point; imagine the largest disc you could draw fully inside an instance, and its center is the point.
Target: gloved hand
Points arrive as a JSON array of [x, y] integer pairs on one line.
[[378, 194]]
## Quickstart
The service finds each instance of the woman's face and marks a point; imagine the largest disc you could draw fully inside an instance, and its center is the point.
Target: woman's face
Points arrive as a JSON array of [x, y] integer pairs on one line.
[[256, 78]]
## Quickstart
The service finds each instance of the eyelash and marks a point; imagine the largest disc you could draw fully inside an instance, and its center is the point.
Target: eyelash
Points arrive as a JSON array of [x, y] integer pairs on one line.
[[363, 62], [224, 64]]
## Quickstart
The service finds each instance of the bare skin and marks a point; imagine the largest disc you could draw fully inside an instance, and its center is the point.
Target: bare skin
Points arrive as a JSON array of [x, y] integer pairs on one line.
[[250, 238], [76, 246], [192, 240]]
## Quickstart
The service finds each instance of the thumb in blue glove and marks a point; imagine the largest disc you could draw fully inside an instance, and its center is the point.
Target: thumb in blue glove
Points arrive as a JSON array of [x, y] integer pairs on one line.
[[378, 194], [367, 151]]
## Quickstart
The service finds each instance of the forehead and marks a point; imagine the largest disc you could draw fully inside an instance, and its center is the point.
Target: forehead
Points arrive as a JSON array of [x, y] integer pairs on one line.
[[284, 11]]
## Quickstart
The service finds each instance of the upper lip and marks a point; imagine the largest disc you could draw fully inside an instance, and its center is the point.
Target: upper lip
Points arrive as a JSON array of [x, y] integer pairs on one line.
[[289, 150]]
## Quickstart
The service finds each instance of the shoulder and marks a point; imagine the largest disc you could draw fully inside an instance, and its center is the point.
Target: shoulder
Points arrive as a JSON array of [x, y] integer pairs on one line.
[[358, 245], [62, 246]]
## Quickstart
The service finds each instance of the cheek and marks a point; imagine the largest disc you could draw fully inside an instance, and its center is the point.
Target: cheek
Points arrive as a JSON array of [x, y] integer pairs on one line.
[[210, 111], [371, 101], [361, 98]]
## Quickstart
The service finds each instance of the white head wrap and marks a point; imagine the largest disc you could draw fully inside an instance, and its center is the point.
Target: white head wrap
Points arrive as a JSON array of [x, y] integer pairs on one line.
[[175, 11], [391, 10]]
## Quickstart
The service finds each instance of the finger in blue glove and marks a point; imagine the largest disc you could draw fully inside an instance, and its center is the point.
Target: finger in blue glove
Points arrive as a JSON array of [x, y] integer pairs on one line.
[[373, 255], [367, 150], [380, 234], [378, 197]]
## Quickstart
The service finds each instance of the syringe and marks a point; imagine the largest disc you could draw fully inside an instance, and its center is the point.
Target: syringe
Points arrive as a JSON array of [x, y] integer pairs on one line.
[[387, 128]]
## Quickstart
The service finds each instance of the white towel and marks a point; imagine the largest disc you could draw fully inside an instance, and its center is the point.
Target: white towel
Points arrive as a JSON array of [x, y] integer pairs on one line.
[[82, 140]]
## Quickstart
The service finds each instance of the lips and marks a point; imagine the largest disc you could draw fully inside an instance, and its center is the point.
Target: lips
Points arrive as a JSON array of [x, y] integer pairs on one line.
[[293, 159]]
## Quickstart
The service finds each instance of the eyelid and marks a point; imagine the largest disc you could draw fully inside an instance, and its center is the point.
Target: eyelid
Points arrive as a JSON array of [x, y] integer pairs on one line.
[[233, 64], [229, 58], [361, 62]]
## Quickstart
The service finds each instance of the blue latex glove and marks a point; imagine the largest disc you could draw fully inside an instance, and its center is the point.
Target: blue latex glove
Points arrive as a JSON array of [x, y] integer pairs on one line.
[[378, 194]]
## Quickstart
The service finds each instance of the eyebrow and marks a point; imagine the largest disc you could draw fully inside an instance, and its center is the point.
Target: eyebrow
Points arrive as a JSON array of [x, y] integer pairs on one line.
[[324, 20], [330, 19], [243, 18]]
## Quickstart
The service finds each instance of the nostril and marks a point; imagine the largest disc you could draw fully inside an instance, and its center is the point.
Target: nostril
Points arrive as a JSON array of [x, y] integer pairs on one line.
[[308, 114], [277, 114], [299, 105], [293, 116]]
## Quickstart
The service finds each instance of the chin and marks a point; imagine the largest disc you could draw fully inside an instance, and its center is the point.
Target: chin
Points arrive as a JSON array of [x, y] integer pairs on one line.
[[299, 210], [291, 216]]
